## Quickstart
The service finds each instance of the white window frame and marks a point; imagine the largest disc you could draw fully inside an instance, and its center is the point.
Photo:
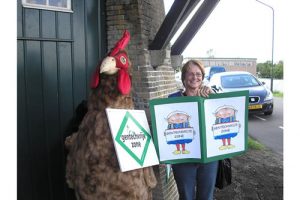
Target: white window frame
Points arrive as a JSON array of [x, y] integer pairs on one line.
[[48, 7]]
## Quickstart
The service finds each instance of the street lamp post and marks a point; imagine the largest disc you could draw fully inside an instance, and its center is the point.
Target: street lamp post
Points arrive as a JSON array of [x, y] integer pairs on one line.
[[272, 40]]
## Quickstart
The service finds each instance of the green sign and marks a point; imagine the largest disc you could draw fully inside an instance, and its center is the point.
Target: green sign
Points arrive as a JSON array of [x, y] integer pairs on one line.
[[132, 140], [196, 129], [124, 134]]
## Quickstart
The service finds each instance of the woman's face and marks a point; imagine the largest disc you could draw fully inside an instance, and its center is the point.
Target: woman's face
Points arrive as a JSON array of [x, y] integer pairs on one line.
[[193, 77]]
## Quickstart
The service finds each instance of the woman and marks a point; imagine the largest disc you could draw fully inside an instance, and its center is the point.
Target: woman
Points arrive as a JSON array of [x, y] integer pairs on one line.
[[191, 175]]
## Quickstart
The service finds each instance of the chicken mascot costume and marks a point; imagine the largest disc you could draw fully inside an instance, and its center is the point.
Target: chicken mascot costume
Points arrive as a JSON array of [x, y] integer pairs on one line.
[[92, 168]]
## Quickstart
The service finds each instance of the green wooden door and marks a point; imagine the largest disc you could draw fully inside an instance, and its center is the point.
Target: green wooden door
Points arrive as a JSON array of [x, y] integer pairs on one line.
[[57, 53]]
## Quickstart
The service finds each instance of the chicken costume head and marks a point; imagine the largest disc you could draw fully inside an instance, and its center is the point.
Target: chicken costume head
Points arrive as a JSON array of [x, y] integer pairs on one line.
[[116, 62]]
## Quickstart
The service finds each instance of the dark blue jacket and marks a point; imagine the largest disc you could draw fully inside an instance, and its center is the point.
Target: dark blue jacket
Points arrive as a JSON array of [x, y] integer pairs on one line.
[[176, 94]]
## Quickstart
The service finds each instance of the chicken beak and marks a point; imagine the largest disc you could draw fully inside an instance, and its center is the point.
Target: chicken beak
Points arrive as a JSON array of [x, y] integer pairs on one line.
[[108, 66]]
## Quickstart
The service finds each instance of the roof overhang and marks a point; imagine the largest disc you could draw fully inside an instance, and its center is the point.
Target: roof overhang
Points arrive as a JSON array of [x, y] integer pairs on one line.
[[177, 14]]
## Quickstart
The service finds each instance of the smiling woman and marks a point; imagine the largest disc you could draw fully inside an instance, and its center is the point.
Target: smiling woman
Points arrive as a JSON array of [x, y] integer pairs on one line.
[[193, 176]]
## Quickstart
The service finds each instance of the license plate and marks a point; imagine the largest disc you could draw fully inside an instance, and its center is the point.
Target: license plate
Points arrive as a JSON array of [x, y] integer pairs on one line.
[[252, 107]]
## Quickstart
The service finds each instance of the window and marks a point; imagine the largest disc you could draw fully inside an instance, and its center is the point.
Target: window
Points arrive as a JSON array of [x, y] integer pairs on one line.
[[238, 81], [56, 5]]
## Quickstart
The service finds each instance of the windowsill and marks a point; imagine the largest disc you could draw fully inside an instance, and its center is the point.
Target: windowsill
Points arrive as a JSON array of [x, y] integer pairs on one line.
[[52, 8]]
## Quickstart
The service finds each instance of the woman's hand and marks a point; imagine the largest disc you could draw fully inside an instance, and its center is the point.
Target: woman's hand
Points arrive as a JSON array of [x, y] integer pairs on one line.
[[204, 91]]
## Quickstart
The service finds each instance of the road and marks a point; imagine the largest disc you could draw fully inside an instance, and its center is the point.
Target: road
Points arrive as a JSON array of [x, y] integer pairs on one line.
[[269, 129]]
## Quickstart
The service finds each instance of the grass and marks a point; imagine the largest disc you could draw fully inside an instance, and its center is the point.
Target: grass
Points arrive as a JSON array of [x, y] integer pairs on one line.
[[277, 94], [253, 144]]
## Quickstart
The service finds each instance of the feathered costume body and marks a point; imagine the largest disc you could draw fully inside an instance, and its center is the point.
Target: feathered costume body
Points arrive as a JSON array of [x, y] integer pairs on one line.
[[92, 167]]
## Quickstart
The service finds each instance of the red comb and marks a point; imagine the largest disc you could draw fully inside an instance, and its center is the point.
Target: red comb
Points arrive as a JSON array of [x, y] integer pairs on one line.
[[124, 82], [121, 44]]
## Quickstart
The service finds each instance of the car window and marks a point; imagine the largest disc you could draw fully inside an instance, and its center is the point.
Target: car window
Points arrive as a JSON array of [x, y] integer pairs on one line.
[[237, 81]]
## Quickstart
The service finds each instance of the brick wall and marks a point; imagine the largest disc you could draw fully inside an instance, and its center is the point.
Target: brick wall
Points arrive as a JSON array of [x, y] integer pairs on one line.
[[143, 18]]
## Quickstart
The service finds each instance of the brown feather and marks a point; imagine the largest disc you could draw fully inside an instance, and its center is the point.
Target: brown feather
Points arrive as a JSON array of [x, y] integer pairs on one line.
[[92, 167]]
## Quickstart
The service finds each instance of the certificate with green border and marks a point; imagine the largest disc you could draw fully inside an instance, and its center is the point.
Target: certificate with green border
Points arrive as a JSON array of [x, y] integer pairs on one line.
[[196, 129]]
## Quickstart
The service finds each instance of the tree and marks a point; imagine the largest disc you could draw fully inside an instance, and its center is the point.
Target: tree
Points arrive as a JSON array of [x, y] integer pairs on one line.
[[264, 70], [278, 70]]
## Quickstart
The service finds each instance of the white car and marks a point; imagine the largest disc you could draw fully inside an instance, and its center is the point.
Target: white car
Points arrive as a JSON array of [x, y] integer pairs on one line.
[[260, 97]]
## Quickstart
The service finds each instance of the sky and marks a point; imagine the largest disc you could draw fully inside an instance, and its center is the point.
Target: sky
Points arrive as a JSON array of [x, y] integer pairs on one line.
[[238, 29]]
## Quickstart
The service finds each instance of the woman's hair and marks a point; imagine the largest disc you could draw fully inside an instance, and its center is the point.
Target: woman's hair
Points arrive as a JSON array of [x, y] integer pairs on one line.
[[186, 67]]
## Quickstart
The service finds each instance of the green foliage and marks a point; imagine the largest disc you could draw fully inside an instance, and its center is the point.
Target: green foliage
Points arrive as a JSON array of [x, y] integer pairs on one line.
[[277, 94], [253, 144], [278, 70], [264, 70]]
